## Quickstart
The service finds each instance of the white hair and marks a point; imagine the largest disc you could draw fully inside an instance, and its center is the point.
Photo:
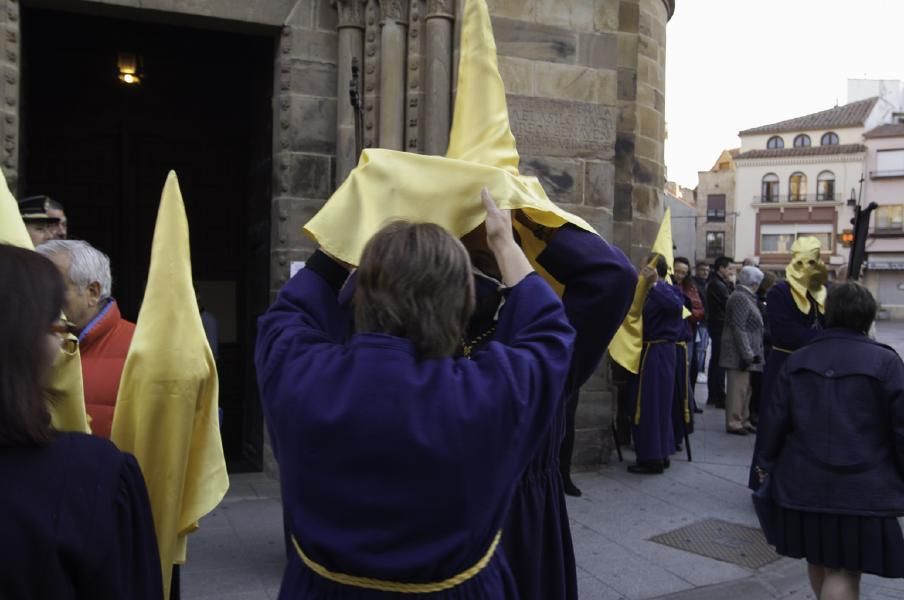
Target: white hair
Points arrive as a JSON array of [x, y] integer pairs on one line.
[[87, 264], [750, 276]]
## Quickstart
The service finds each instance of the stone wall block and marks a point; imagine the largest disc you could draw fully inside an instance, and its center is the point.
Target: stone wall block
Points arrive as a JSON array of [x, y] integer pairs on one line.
[[576, 15], [281, 260], [300, 15], [627, 50], [627, 85], [562, 179], [621, 236], [646, 203], [599, 184], [605, 15], [567, 82], [648, 148], [622, 206], [651, 122], [533, 41], [327, 17], [593, 410], [313, 79], [313, 123], [309, 176], [312, 45], [598, 50], [589, 447], [526, 10], [598, 218], [628, 16], [289, 216], [517, 75]]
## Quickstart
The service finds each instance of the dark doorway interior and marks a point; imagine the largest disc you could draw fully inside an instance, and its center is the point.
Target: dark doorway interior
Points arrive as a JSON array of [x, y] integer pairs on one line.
[[103, 148]]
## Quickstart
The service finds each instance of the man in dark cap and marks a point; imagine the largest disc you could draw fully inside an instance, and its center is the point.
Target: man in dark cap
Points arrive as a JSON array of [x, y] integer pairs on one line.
[[41, 226]]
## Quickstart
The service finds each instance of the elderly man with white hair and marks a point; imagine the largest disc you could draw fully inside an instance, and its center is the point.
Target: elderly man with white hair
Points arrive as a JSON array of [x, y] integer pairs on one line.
[[742, 349], [104, 336]]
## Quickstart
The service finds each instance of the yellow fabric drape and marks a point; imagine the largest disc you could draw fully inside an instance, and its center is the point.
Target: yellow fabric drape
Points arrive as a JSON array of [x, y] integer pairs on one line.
[[63, 389], [166, 411], [388, 185], [803, 250], [627, 344]]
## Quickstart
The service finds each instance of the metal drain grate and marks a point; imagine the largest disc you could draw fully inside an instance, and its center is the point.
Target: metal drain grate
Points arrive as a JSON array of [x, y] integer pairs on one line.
[[728, 542]]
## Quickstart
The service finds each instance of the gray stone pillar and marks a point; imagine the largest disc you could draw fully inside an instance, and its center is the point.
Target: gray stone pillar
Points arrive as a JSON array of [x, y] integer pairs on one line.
[[351, 48], [438, 76], [372, 74], [392, 74]]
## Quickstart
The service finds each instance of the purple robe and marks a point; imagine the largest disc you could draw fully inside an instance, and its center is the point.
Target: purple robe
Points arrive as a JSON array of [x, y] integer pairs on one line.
[[396, 468], [654, 385], [790, 330], [599, 285]]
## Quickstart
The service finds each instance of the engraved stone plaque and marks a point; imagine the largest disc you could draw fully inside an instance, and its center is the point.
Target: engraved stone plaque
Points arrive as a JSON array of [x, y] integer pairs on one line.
[[547, 127]]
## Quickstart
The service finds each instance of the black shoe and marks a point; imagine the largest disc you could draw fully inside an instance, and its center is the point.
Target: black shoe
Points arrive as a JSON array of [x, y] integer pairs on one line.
[[698, 410], [570, 488], [653, 467], [666, 463], [750, 428], [737, 431]]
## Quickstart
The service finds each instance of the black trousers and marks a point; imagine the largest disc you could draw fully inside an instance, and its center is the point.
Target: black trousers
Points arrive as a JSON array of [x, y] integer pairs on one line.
[[715, 377]]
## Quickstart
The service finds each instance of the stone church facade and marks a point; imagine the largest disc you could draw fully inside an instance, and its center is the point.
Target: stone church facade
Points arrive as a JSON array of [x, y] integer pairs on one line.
[[585, 82]]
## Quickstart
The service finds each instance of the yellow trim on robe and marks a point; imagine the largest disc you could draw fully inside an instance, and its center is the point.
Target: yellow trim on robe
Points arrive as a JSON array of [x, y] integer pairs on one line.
[[687, 382], [395, 586]]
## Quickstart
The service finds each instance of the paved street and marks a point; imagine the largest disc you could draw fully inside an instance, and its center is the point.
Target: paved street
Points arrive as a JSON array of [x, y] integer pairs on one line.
[[238, 554]]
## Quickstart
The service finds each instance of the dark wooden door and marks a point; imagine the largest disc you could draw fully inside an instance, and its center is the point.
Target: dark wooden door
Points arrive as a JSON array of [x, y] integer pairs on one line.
[[104, 150]]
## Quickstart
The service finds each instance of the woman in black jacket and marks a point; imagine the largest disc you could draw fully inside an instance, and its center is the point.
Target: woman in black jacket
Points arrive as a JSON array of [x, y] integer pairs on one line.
[[834, 459]]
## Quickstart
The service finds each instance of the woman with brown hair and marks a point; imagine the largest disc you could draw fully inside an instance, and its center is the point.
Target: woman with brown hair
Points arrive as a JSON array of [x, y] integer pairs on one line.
[[75, 516], [398, 459]]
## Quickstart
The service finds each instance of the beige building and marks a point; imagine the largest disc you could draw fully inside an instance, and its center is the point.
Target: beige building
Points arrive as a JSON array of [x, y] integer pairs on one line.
[[795, 178], [884, 185], [716, 213], [249, 102]]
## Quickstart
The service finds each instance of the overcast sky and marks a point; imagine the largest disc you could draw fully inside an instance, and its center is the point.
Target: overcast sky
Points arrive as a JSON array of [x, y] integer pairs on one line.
[[736, 64]]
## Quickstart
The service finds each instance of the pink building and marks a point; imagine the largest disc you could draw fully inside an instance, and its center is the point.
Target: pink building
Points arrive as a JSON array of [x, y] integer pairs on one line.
[[884, 185]]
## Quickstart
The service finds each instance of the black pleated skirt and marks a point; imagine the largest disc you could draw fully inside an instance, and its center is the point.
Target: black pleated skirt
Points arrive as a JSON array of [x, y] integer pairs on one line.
[[864, 544]]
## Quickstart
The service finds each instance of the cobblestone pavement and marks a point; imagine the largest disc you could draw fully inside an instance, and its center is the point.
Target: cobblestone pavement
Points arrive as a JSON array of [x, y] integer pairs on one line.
[[238, 554]]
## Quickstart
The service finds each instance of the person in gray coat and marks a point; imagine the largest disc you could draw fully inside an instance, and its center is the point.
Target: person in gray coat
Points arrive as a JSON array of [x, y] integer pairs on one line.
[[742, 349]]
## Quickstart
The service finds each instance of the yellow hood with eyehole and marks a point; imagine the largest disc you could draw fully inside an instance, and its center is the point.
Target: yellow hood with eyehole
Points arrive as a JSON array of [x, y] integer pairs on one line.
[[807, 274]]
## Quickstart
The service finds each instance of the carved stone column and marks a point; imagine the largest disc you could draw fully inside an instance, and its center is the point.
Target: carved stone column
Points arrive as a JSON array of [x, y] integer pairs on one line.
[[414, 94], [438, 76], [372, 17], [392, 74], [351, 47]]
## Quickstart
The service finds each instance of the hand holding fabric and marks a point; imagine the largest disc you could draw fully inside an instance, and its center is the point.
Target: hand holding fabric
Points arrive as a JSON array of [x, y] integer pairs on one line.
[[513, 264]]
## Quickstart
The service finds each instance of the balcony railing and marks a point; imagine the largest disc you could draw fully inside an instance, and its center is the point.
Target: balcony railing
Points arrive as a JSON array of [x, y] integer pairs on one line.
[[797, 198], [888, 173]]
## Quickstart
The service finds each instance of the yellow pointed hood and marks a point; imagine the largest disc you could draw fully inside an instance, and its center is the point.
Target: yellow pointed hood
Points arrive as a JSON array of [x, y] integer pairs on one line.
[[627, 345], [166, 411], [388, 185], [63, 390], [799, 273]]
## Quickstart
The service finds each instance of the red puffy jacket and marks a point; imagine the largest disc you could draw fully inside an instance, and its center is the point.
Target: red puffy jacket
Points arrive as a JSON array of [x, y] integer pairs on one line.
[[104, 344]]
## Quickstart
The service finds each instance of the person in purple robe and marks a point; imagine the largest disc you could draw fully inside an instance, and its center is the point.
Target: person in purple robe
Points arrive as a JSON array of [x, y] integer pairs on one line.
[[795, 312], [598, 281], [654, 386], [398, 460]]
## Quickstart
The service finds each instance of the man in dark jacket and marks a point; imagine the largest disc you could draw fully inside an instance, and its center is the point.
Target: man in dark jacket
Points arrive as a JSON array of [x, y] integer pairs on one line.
[[718, 289]]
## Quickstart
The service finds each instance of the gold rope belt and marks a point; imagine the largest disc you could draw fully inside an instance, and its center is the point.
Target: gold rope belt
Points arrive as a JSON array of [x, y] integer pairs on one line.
[[640, 376], [785, 350], [395, 586]]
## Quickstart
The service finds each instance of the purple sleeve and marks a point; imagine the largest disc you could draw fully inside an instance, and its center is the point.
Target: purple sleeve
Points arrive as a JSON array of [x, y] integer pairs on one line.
[[531, 354], [599, 285]]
